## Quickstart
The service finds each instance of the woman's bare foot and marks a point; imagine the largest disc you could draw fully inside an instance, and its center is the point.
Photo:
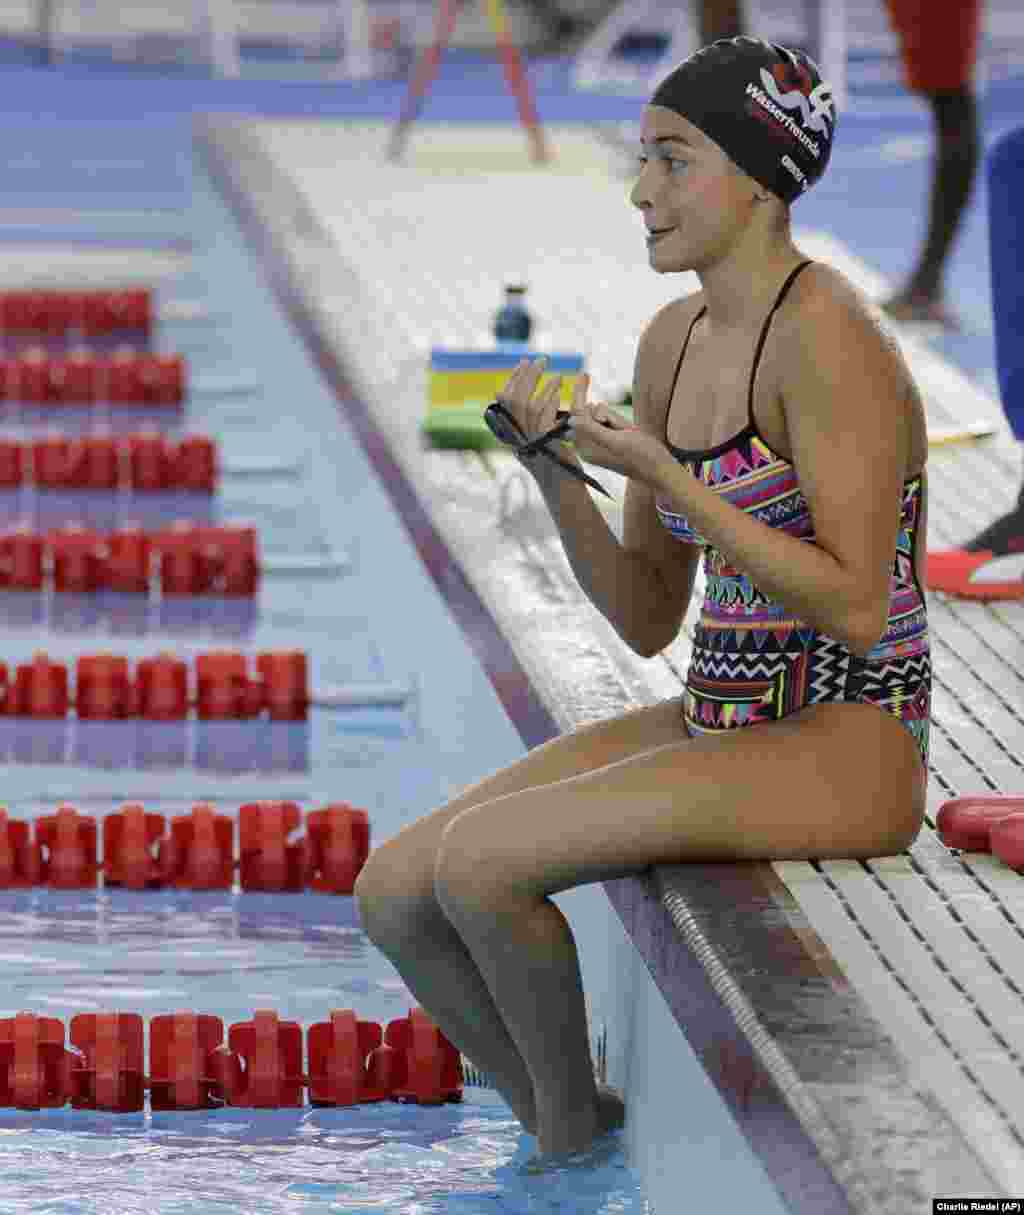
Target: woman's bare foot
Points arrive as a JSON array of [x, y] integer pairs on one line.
[[588, 1139]]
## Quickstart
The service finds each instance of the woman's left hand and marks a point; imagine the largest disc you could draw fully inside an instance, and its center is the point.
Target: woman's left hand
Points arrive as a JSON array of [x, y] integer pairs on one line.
[[618, 444]]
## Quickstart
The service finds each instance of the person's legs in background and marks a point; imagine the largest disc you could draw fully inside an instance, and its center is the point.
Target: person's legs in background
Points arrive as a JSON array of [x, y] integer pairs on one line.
[[939, 56], [991, 566], [1005, 165]]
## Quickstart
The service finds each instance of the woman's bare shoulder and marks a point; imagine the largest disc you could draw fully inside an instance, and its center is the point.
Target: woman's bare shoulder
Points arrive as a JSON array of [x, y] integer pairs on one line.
[[821, 296], [821, 285]]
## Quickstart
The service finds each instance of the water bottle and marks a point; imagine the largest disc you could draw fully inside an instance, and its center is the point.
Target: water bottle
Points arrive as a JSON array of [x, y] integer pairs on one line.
[[512, 322]]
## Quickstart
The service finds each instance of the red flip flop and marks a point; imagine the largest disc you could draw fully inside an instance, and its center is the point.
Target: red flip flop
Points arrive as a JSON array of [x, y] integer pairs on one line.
[[976, 575]]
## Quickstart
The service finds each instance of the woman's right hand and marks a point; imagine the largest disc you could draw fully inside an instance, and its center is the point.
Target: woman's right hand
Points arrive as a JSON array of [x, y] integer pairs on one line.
[[536, 414]]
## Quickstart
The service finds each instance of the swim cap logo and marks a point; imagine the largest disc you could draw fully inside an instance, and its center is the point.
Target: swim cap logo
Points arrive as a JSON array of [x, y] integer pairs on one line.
[[815, 104], [797, 172]]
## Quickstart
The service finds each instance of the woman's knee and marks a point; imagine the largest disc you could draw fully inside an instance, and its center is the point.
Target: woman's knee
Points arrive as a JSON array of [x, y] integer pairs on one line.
[[396, 904]]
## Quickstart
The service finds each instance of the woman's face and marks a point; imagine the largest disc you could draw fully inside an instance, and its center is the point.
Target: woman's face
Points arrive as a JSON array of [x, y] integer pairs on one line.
[[686, 184]]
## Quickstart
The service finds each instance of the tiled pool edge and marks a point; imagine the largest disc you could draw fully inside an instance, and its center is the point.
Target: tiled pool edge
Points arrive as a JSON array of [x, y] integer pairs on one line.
[[810, 1106]]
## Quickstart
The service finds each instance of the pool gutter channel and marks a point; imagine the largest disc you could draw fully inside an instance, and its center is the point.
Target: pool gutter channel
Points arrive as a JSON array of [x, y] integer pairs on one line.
[[819, 1090]]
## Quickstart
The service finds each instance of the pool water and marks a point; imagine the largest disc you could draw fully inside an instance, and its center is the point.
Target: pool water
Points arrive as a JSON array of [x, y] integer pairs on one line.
[[63, 953]]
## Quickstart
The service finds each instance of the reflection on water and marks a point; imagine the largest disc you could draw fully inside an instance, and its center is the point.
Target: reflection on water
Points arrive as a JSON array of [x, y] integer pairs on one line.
[[218, 746], [65, 952], [455, 1159], [103, 510], [123, 615]]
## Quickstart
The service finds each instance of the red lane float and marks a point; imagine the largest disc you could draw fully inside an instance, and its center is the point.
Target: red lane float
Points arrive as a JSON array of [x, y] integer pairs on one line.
[[67, 841], [36, 1071], [110, 1075], [339, 841], [350, 1062], [161, 685], [105, 687], [199, 560], [143, 461], [127, 560], [62, 313], [21, 560], [268, 861], [40, 689], [181, 1049], [77, 558], [84, 377], [186, 558], [128, 841], [197, 854]]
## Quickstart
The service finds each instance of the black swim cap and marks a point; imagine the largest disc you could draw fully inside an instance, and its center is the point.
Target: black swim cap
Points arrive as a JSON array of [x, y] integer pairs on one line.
[[766, 107]]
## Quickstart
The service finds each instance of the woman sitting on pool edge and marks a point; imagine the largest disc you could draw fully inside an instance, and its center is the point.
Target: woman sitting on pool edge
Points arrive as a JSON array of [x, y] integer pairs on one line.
[[789, 446]]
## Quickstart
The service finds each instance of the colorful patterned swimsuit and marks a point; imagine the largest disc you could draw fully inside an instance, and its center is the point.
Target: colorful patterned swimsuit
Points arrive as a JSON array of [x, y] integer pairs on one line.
[[752, 661]]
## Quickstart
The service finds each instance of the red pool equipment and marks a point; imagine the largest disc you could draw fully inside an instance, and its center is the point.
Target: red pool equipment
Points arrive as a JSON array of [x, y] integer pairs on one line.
[[103, 313], [285, 684], [79, 559], [350, 1062], [199, 852], [181, 1047], [40, 689], [36, 1070], [224, 689], [339, 843], [31, 312], [195, 464], [163, 378], [76, 379], [128, 560], [428, 1069], [104, 687], [110, 1076], [1006, 839], [21, 560], [19, 856], [339, 1074], [69, 840], [966, 822], [133, 378], [229, 562], [32, 377], [98, 461], [268, 861], [182, 569], [162, 688], [12, 463], [149, 461], [129, 839], [272, 1052], [51, 463]]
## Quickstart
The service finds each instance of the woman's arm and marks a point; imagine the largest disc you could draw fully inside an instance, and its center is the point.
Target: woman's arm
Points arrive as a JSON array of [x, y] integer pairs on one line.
[[844, 392]]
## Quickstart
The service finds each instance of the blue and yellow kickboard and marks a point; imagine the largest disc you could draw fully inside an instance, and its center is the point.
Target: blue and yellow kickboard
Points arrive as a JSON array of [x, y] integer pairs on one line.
[[462, 383]]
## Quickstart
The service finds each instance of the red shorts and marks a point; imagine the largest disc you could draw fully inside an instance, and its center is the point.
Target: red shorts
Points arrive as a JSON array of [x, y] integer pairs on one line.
[[938, 42]]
